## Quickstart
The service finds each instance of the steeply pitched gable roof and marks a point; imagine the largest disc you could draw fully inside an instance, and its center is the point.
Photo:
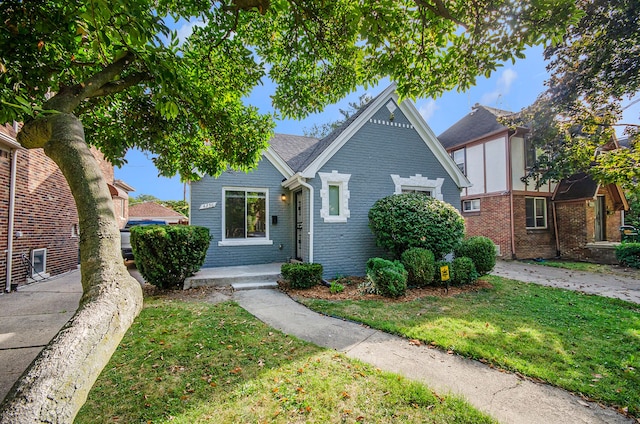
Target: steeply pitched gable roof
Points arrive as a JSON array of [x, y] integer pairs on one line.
[[306, 155], [294, 149], [481, 121]]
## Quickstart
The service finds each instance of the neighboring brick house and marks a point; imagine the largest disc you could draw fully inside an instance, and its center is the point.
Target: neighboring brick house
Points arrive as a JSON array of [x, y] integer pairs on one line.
[[522, 220], [37, 208], [152, 211]]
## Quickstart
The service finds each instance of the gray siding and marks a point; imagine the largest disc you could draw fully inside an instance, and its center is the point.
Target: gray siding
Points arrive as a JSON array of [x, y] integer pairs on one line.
[[374, 153], [209, 190]]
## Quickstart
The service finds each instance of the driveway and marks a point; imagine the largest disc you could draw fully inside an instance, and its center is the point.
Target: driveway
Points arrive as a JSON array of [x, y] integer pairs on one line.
[[29, 318], [620, 285]]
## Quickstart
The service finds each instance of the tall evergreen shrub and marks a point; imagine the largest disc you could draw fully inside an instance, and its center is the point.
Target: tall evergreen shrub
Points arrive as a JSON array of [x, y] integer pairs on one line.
[[166, 255]]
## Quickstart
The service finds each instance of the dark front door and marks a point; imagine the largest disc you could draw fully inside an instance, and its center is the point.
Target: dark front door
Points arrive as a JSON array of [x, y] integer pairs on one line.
[[601, 223]]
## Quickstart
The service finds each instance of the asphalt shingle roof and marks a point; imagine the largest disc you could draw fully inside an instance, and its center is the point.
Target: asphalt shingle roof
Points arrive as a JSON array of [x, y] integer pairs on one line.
[[299, 151], [152, 209], [482, 120], [577, 186]]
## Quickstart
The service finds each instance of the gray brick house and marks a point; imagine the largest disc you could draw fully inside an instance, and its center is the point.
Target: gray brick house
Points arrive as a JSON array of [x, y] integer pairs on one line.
[[308, 198]]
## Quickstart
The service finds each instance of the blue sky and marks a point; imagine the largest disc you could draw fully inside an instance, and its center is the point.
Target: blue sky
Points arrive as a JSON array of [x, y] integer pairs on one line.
[[512, 87]]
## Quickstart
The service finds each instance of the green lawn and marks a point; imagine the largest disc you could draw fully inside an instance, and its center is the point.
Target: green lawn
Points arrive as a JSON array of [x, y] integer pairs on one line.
[[189, 362], [585, 344]]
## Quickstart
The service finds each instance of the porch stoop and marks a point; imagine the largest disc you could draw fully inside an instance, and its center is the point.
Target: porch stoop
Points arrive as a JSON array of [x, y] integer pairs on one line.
[[245, 277]]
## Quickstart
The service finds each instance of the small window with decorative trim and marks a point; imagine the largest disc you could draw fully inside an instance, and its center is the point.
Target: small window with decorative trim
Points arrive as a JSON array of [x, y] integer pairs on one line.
[[334, 194], [536, 212], [472, 205]]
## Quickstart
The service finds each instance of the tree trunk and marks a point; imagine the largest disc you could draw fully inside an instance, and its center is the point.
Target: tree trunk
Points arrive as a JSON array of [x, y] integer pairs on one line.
[[57, 383]]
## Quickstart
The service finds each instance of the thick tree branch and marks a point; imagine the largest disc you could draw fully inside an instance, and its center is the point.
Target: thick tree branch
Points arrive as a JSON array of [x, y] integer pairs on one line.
[[68, 99], [120, 85]]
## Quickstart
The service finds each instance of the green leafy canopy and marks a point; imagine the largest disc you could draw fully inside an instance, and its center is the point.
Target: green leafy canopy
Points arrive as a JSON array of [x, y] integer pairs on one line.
[[118, 66]]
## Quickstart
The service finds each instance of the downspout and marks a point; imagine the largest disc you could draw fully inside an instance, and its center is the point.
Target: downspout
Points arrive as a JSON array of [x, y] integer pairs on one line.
[[311, 209], [12, 198], [555, 228], [510, 188]]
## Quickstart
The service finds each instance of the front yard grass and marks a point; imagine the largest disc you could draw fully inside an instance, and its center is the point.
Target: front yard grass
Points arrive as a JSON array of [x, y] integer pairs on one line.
[[584, 344], [194, 362]]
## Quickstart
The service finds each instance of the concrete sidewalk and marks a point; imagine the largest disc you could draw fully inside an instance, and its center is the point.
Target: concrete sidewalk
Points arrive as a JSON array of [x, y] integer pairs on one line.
[[30, 318], [502, 395]]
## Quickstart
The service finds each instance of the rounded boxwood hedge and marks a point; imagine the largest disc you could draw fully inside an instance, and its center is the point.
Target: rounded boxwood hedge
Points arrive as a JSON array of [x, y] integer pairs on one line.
[[482, 252], [167, 254], [402, 221]]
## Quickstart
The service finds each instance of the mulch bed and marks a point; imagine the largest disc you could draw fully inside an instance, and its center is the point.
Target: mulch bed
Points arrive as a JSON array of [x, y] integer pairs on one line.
[[354, 292]]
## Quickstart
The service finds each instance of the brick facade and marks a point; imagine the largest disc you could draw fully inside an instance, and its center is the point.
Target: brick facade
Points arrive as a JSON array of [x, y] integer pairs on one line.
[[45, 215], [493, 221]]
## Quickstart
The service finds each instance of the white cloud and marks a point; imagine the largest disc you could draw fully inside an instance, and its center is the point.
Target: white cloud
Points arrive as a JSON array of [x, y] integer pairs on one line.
[[503, 86], [185, 30], [427, 109]]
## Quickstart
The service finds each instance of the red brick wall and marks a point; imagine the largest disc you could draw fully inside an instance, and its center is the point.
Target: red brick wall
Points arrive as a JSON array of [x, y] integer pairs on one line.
[[493, 221], [44, 215], [573, 230], [5, 172], [532, 243]]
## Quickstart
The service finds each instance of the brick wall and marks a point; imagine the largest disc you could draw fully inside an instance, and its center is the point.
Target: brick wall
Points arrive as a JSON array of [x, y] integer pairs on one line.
[[44, 215], [5, 172], [573, 229], [532, 243], [493, 221]]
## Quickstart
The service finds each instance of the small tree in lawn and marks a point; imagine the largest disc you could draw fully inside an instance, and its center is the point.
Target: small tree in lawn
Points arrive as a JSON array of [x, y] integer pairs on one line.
[[403, 221]]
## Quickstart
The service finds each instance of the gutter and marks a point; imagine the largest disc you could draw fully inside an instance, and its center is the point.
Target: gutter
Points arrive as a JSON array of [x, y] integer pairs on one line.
[[12, 198], [510, 188], [311, 209]]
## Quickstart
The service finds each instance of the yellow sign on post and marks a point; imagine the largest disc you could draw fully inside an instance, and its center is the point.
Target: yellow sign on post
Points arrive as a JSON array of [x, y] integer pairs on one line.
[[444, 272]]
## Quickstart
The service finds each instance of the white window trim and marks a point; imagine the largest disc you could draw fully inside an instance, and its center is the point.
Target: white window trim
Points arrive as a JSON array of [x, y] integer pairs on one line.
[[470, 201], [546, 218], [335, 179], [419, 182], [254, 241], [35, 276]]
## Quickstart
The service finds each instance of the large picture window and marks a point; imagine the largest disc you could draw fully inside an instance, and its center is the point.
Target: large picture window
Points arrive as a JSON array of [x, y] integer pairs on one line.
[[245, 216], [536, 211]]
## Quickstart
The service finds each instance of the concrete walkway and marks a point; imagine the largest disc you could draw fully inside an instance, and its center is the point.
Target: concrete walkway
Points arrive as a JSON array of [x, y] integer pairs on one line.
[[29, 318], [502, 395]]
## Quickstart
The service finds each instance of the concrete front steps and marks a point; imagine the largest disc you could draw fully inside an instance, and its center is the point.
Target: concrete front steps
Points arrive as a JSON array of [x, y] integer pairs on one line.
[[245, 277]]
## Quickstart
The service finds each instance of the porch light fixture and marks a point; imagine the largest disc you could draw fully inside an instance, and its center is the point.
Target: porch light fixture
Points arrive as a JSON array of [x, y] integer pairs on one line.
[[283, 197]]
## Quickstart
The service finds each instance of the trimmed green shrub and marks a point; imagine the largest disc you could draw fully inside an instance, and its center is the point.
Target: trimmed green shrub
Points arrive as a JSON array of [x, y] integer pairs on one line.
[[420, 265], [302, 276], [403, 221], [464, 271], [389, 278], [628, 254], [481, 250], [167, 254]]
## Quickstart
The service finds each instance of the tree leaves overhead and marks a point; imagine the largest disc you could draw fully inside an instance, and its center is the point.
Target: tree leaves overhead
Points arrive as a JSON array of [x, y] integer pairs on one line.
[[595, 72], [183, 99]]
